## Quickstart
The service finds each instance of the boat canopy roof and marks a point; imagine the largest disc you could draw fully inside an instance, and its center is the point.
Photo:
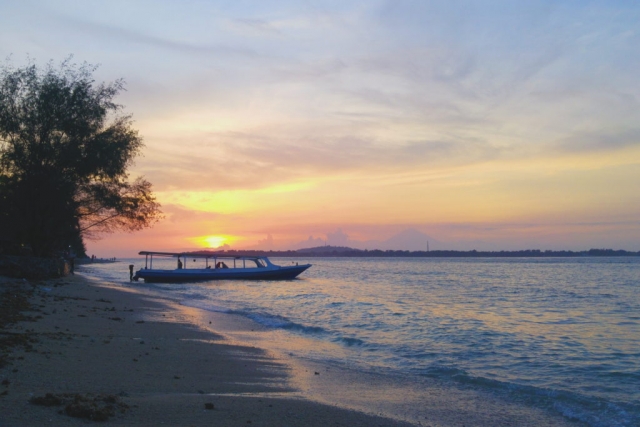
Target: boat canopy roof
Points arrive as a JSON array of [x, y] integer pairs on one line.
[[205, 255]]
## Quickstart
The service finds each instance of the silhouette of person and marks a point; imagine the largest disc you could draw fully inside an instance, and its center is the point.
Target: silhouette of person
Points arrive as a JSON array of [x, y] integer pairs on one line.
[[179, 264], [131, 272]]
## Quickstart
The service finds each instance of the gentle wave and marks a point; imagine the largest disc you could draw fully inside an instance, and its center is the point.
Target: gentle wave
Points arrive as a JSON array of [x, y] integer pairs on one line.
[[264, 319], [573, 406], [559, 334]]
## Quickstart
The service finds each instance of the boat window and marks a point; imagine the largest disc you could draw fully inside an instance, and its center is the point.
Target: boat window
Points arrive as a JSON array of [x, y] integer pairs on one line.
[[241, 262]]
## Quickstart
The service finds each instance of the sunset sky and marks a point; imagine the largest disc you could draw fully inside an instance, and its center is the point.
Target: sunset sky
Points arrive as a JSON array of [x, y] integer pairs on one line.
[[481, 124]]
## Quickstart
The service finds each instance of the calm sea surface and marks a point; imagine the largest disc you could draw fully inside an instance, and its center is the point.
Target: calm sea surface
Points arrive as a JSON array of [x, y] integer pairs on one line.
[[562, 334]]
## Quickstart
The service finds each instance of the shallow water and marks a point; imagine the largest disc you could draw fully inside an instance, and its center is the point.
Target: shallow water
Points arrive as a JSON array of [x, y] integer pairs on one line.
[[561, 334]]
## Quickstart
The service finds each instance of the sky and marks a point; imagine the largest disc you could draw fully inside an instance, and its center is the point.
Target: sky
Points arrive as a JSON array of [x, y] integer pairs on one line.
[[488, 125]]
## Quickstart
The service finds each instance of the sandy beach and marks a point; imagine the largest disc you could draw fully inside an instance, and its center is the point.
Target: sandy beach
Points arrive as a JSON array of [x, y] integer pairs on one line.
[[91, 350], [86, 341]]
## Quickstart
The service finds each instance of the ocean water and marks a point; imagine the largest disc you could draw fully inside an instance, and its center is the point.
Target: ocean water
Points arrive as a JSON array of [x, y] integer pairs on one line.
[[562, 334]]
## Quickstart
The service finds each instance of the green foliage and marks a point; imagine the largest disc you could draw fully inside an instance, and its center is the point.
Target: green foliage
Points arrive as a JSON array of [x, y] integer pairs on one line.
[[64, 154]]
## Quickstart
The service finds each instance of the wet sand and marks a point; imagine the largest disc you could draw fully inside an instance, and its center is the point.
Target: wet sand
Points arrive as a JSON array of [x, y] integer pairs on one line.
[[93, 345]]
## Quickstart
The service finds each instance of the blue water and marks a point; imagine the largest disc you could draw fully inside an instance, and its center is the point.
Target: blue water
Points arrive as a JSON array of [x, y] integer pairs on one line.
[[562, 334]]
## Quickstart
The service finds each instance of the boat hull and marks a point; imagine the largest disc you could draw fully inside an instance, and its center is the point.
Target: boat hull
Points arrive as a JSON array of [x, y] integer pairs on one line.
[[198, 275]]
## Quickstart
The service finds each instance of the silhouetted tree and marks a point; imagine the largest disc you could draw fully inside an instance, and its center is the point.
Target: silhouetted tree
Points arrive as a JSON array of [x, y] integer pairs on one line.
[[64, 153]]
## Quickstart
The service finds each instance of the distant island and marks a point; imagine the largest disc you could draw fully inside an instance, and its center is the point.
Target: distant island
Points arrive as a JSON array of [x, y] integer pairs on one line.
[[343, 251]]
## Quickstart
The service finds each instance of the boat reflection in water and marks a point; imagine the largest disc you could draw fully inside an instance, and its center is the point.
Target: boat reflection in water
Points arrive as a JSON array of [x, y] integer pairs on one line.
[[216, 267]]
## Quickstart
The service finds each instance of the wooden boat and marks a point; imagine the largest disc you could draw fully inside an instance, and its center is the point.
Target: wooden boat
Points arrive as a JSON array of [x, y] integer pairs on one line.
[[217, 267]]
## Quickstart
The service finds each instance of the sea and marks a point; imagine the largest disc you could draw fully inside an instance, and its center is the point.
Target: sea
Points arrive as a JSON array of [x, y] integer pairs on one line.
[[558, 334]]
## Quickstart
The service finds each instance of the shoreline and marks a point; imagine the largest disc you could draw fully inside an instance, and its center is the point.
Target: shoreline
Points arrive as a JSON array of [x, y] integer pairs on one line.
[[93, 339], [419, 401], [166, 362]]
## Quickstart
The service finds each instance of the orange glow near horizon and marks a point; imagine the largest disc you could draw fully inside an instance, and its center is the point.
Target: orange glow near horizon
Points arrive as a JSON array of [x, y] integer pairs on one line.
[[535, 203], [212, 241]]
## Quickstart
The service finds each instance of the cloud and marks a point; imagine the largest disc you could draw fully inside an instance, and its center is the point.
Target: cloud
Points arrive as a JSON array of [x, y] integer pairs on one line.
[[599, 141], [260, 27], [202, 169], [177, 214], [253, 160], [307, 71], [337, 238], [116, 34], [554, 235]]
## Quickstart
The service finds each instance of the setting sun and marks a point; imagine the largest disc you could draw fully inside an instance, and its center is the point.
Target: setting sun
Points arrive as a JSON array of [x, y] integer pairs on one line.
[[213, 241]]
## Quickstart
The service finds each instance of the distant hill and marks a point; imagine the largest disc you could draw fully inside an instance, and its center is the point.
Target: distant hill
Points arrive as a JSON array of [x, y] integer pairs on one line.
[[323, 250], [409, 239], [343, 251]]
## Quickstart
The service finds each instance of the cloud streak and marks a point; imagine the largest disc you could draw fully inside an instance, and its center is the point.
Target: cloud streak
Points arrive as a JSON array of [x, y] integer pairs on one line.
[[118, 35]]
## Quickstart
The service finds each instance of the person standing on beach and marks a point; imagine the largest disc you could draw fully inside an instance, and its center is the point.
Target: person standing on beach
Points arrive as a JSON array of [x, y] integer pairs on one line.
[[131, 272]]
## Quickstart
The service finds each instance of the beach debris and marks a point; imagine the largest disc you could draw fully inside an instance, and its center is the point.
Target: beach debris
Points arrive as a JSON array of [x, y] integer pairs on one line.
[[10, 340], [209, 406], [48, 399], [86, 406], [12, 303]]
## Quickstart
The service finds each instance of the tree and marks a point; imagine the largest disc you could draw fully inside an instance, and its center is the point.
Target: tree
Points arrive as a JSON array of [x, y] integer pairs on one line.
[[64, 152]]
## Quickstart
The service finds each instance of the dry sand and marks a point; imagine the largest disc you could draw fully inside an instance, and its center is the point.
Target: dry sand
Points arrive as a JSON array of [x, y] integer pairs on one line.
[[87, 345]]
